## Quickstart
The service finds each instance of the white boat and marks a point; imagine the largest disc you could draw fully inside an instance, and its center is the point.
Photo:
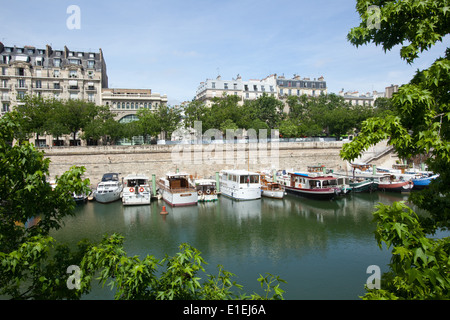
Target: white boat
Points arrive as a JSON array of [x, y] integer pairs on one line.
[[206, 190], [109, 189], [136, 190], [240, 184], [176, 190]]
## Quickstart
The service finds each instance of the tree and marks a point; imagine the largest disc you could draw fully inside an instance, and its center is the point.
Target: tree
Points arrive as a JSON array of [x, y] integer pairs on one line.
[[34, 111], [29, 209], [148, 124], [168, 119], [418, 125], [77, 114]]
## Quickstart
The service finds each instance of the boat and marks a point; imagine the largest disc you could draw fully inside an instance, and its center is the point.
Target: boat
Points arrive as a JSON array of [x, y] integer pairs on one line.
[[390, 183], [136, 190], [363, 185], [313, 185], [109, 189], [206, 190], [271, 189], [176, 190], [423, 182], [80, 198], [240, 184]]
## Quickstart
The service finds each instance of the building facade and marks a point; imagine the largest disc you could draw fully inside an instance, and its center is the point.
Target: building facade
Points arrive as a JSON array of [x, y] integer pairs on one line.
[[60, 74], [355, 98], [273, 85], [125, 102]]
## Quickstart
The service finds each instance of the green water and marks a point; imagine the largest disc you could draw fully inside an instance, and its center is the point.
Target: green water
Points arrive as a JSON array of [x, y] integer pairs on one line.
[[321, 248]]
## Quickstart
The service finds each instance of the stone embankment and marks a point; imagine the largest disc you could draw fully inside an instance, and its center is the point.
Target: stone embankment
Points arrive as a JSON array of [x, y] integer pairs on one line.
[[197, 160]]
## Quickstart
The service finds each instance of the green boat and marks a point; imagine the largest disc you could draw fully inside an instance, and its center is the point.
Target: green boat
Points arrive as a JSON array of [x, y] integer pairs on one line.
[[366, 185]]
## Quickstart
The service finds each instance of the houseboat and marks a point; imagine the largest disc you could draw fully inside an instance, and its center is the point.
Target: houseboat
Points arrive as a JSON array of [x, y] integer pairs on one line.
[[109, 189], [206, 190], [312, 185], [240, 184], [136, 190], [176, 190]]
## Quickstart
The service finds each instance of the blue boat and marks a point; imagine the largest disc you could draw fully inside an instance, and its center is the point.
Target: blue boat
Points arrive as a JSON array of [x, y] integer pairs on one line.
[[423, 182]]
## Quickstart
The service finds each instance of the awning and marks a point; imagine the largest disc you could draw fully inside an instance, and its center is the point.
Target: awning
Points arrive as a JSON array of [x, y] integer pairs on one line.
[[73, 83]]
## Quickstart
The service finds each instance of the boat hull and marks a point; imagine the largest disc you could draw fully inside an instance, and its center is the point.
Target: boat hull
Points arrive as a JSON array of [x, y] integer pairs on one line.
[[277, 194], [136, 199], [182, 199], [241, 194], [364, 186], [404, 186], [319, 194], [207, 197], [107, 197]]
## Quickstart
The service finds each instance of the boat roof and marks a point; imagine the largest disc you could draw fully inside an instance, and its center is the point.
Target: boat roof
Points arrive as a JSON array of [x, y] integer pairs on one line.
[[313, 177], [136, 176], [177, 174], [110, 177], [205, 181], [240, 172]]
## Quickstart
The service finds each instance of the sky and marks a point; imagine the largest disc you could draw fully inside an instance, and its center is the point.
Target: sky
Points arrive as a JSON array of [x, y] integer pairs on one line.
[[171, 46]]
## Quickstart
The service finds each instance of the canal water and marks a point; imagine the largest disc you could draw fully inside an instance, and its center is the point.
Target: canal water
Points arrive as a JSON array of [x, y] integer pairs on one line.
[[321, 248]]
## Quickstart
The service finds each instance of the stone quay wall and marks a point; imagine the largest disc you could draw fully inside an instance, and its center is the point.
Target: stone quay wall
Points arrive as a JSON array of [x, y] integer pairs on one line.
[[197, 160]]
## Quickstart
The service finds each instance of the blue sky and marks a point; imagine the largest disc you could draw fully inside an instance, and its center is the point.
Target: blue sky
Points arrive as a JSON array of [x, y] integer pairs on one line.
[[171, 46]]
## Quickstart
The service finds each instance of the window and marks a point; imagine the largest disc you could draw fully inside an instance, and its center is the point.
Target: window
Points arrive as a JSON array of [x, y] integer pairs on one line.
[[91, 63], [91, 55], [235, 86], [225, 86], [21, 94], [38, 84], [74, 96], [80, 54], [56, 85], [213, 85], [20, 71], [38, 73], [74, 61], [263, 89], [21, 83], [271, 88], [255, 87], [4, 71], [6, 59], [246, 87], [56, 73], [4, 83], [90, 97], [39, 61], [57, 63], [72, 73], [5, 107]]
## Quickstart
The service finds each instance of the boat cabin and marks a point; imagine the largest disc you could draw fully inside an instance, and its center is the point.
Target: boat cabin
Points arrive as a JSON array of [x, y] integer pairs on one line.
[[304, 181]]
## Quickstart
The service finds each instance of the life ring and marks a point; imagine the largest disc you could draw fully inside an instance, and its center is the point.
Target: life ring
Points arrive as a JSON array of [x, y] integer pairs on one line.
[[141, 189], [214, 191], [208, 191], [131, 189], [199, 192]]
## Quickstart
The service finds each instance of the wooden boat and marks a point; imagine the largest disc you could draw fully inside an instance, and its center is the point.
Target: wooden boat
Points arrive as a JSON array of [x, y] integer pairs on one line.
[[206, 190], [136, 190], [240, 184], [312, 185], [271, 189], [176, 190]]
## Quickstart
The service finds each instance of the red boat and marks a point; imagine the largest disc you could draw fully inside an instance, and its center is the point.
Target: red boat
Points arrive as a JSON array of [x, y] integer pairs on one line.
[[390, 183], [312, 186]]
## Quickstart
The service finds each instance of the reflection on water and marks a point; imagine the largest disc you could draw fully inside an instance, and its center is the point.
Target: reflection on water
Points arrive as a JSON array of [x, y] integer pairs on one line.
[[321, 248]]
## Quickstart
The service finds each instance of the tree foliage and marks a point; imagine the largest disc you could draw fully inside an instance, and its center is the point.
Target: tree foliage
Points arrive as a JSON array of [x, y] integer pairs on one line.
[[418, 123]]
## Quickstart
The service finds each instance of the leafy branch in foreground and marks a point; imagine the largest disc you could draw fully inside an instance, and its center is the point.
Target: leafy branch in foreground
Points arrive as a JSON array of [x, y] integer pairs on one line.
[[133, 278]]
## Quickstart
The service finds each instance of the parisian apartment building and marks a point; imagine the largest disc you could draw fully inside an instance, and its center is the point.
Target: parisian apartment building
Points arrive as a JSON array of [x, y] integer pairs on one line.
[[279, 87], [66, 74]]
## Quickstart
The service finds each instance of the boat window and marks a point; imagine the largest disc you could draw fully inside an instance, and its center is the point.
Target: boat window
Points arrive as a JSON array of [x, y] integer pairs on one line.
[[243, 179], [254, 179]]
